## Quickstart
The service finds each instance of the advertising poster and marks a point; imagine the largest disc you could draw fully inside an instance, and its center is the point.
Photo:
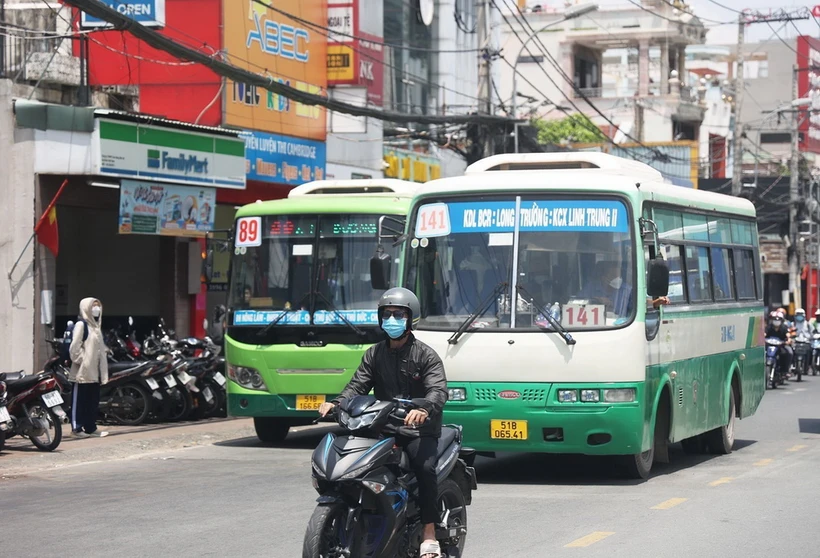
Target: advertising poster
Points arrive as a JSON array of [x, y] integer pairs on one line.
[[283, 160], [287, 45], [165, 209]]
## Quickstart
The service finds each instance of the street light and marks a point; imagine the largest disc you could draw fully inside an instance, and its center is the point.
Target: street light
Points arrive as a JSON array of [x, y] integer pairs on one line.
[[570, 13]]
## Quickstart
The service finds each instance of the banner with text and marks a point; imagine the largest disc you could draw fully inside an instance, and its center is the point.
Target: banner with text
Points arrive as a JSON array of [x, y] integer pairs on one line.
[[282, 159], [165, 209], [150, 13]]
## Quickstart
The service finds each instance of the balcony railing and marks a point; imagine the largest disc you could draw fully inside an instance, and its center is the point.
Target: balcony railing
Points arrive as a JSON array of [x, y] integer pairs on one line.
[[17, 45]]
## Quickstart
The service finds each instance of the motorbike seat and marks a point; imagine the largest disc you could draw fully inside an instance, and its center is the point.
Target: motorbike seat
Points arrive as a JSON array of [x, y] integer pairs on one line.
[[448, 436], [115, 368], [11, 376], [20, 382]]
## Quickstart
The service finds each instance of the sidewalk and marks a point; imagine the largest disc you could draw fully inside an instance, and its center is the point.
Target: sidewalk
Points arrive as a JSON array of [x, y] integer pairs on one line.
[[21, 458]]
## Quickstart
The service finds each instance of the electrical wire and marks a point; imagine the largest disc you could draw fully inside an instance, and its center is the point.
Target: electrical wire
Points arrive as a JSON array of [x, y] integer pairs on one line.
[[166, 44], [713, 21]]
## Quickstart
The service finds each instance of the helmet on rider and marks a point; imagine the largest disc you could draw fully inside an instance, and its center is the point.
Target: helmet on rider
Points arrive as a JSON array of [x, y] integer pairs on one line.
[[799, 315], [776, 318], [399, 312]]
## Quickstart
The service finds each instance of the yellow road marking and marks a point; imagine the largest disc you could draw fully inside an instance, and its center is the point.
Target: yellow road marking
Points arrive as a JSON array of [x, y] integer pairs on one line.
[[671, 503], [722, 480], [590, 539], [796, 448], [763, 462]]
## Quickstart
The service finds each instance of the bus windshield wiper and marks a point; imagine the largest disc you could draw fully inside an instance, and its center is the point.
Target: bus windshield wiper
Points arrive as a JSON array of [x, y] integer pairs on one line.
[[556, 325], [262, 332], [338, 314], [482, 308]]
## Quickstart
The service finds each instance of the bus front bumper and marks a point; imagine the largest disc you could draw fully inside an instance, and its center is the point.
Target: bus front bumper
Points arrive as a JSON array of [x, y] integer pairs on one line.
[[551, 427], [268, 405]]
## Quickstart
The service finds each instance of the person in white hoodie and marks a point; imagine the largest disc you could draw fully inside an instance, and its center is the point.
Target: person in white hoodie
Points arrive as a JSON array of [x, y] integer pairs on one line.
[[89, 369]]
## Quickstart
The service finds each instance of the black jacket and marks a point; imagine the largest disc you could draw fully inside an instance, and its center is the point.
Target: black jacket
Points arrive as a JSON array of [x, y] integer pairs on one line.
[[781, 332], [414, 371]]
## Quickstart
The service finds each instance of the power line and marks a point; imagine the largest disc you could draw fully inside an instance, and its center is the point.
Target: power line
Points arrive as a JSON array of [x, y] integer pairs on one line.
[[166, 44], [644, 8]]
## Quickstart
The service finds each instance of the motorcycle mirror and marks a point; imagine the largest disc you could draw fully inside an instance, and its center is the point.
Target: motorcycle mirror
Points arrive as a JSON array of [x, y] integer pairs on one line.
[[205, 324], [130, 321]]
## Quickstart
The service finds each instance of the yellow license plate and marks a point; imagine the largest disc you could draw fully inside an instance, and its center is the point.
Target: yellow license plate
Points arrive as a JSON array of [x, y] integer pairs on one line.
[[508, 429], [309, 402]]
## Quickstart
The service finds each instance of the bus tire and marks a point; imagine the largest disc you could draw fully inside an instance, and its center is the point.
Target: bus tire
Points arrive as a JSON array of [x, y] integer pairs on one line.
[[271, 430], [722, 439], [639, 465]]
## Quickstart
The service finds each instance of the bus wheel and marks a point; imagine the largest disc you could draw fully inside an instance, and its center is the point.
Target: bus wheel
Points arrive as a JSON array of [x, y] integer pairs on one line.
[[638, 466], [722, 439], [271, 430]]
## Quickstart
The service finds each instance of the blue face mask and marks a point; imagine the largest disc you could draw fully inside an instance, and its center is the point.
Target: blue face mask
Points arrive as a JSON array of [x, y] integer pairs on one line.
[[799, 319], [394, 328]]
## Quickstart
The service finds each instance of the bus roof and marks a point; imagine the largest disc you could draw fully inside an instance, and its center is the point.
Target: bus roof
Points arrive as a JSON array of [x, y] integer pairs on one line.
[[593, 172], [337, 203], [385, 187]]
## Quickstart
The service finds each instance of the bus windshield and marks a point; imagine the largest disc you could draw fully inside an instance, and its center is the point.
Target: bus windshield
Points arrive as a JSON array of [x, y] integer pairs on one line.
[[314, 268], [573, 256]]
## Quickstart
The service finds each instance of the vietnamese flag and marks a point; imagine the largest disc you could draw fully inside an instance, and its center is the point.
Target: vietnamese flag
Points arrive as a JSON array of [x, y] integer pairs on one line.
[[46, 228]]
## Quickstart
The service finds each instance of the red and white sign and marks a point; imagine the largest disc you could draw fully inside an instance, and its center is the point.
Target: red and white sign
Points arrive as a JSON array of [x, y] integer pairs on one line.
[[433, 220], [808, 86], [815, 11], [577, 316], [366, 51], [249, 232]]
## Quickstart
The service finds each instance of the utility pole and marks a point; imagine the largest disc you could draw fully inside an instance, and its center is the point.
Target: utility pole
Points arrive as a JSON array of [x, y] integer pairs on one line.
[[737, 138], [484, 75], [794, 198]]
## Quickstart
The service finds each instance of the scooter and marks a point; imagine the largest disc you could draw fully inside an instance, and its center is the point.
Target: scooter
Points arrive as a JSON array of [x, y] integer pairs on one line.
[[815, 354], [368, 496], [773, 372], [34, 406], [802, 355]]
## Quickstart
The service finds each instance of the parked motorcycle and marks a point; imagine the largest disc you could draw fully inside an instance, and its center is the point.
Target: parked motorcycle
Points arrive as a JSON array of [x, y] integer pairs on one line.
[[802, 355], [35, 408], [773, 372], [5, 418], [368, 503]]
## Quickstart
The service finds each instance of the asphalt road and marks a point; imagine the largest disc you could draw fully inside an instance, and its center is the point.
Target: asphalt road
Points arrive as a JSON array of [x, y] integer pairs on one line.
[[242, 498]]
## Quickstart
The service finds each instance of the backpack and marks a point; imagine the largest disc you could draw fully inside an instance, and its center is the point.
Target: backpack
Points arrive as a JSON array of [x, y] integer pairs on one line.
[[65, 354]]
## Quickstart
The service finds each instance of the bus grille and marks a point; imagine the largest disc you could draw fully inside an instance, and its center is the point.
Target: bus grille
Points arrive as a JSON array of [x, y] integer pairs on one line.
[[529, 395]]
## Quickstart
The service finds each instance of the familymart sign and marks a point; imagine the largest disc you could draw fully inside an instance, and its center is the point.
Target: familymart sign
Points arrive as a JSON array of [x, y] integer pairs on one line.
[[133, 150]]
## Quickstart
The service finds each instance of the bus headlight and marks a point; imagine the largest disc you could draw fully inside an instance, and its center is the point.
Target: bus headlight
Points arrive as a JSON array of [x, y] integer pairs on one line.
[[590, 395], [248, 378], [567, 395], [620, 395], [457, 394]]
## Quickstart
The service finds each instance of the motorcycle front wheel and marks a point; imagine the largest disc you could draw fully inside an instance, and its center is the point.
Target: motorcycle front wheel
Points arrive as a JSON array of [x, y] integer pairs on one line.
[[325, 534], [451, 499]]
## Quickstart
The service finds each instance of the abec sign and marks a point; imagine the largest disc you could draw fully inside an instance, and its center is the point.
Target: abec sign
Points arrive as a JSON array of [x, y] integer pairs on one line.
[[286, 50], [150, 13], [132, 150]]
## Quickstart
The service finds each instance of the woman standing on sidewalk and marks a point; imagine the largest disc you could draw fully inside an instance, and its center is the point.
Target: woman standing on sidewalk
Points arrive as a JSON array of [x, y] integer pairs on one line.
[[89, 369]]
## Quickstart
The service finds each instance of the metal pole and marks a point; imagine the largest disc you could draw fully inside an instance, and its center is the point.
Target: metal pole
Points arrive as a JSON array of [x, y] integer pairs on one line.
[[794, 199], [737, 139], [484, 75]]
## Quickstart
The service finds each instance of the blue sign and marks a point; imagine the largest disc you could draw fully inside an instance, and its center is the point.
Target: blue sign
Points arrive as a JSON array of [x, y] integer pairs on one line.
[[534, 216], [302, 317], [150, 13], [283, 159]]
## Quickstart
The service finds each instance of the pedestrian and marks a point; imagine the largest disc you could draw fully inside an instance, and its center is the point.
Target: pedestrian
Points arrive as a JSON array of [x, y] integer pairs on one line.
[[89, 369]]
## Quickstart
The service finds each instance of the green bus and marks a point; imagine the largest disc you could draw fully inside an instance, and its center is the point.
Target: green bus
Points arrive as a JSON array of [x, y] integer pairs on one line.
[[301, 307], [534, 273]]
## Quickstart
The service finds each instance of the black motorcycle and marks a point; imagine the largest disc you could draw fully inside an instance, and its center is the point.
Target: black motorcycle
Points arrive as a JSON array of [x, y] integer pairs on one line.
[[368, 504]]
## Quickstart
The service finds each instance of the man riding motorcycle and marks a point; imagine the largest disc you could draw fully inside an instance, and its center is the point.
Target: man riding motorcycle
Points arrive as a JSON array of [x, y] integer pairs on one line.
[[777, 327], [404, 367]]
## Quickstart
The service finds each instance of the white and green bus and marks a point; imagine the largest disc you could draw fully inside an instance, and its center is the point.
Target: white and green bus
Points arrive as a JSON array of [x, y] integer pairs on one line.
[[534, 274]]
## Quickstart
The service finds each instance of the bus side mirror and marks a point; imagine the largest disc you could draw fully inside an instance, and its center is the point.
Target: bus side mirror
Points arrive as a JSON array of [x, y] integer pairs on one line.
[[208, 265], [380, 266], [658, 280]]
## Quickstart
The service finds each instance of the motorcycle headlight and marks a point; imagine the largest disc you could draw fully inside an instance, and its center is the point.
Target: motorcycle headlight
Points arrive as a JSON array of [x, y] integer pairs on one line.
[[356, 423]]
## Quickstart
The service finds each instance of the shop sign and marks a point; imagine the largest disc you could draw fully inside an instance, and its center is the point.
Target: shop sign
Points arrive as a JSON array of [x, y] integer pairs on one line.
[[284, 50], [282, 159], [150, 13], [808, 86], [166, 209], [409, 165], [132, 150], [355, 61]]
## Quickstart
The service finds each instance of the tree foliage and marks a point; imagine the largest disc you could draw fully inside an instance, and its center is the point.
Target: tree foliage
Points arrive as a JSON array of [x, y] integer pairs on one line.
[[575, 128]]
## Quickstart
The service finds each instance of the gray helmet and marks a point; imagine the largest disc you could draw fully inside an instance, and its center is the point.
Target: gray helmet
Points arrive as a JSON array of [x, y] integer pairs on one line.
[[402, 298]]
